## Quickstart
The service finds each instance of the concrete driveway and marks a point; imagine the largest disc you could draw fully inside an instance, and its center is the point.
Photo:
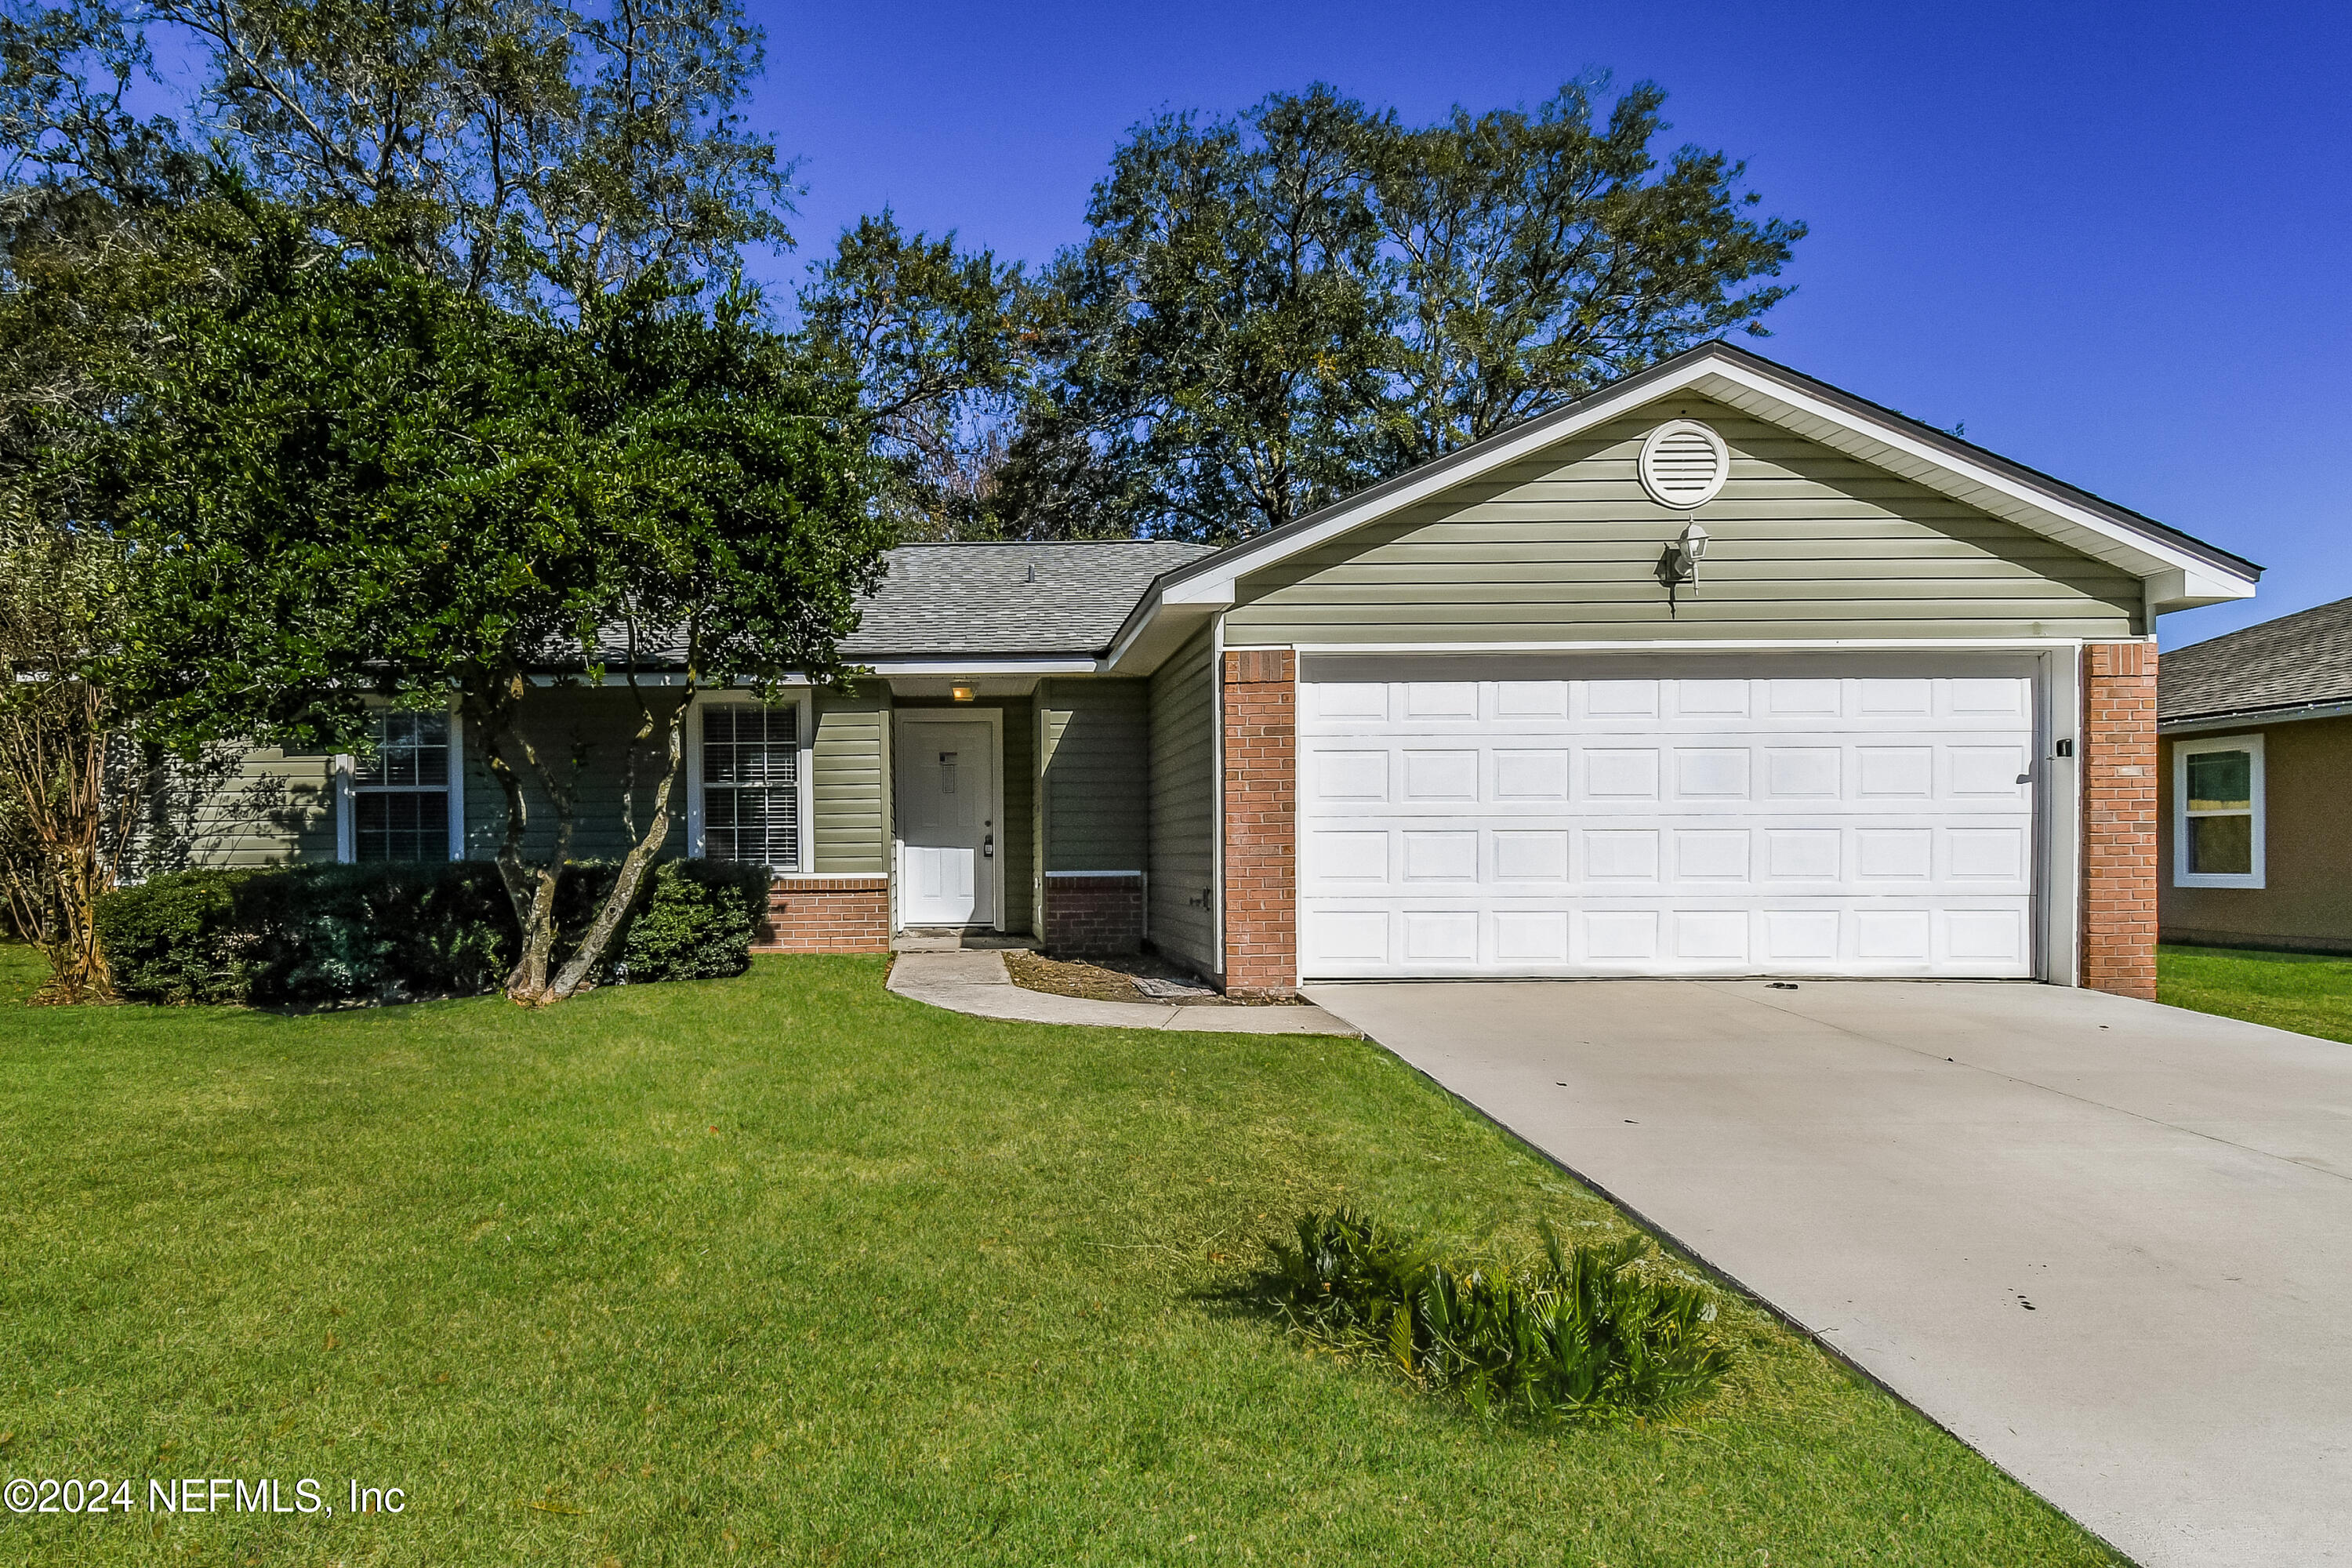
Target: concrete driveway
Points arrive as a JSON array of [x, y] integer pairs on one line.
[[2108, 1244]]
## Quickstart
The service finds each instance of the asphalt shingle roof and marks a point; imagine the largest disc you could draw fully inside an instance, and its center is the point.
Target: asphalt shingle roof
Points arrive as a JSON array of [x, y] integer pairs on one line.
[[2295, 660], [1062, 598]]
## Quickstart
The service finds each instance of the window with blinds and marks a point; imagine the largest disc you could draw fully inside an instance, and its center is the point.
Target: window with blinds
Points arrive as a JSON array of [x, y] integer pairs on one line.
[[400, 791], [751, 785]]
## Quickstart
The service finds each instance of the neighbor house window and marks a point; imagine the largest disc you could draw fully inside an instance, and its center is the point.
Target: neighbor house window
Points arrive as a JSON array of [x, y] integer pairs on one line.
[[2217, 791], [749, 802], [401, 801]]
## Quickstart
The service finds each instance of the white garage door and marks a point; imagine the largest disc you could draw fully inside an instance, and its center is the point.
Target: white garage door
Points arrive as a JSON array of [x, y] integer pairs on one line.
[[1809, 822]]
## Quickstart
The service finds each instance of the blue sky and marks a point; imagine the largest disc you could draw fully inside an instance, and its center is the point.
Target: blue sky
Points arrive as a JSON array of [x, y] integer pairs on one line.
[[2115, 239]]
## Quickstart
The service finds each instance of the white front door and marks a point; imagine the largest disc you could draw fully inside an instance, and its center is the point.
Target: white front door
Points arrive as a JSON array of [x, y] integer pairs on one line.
[[1854, 816], [947, 823]]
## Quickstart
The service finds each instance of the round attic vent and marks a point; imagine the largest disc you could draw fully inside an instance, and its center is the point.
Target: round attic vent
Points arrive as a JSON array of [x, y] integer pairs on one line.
[[1684, 464]]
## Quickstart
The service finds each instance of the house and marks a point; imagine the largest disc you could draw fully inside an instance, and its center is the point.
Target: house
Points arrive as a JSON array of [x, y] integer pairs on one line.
[[2255, 749], [1719, 670]]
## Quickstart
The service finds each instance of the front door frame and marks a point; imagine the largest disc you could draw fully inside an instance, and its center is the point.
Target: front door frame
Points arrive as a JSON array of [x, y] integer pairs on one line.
[[902, 720]]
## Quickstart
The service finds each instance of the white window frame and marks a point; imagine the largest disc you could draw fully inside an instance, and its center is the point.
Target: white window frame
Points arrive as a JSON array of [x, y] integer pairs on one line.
[[347, 789], [2182, 750], [804, 771]]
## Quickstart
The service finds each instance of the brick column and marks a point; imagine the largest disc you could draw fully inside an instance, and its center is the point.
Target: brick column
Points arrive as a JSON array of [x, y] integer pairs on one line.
[[1261, 784], [2119, 818]]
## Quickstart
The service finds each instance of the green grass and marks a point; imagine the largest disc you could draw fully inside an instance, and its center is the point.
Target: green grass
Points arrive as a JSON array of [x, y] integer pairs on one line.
[[790, 1270], [2309, 993]]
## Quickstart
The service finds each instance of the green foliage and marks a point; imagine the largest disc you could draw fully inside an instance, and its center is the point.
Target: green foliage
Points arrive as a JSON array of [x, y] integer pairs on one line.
[[178, 937], [314, 934], [536, 152], [939, 344], [1583, 1332], [1275, 309], [698, 923]]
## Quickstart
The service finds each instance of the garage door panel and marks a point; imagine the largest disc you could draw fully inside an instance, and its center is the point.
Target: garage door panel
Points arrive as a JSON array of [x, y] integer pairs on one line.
[[1813, 824]]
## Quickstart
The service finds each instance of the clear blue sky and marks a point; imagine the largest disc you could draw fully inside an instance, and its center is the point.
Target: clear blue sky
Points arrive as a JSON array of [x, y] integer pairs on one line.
[[2115, 239]]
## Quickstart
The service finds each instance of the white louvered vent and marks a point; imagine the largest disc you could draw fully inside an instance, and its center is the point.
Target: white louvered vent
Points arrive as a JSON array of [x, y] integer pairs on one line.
[[1684, 464]]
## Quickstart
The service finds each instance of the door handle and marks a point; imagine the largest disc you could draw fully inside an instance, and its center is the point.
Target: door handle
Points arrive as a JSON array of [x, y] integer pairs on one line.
[[988, 847]]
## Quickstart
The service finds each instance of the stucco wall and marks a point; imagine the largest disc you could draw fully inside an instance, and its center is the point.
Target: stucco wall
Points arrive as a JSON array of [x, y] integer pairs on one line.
[[2307, 861]]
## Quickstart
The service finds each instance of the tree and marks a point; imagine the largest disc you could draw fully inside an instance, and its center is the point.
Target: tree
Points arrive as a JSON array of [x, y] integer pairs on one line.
[[530, 150], [1277, 309], [1218, 338], [940, 346], [353, 482], [1533, 257], [70, 794]]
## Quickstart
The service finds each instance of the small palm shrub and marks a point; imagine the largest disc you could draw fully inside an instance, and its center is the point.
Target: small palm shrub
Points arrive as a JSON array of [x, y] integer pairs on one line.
[[1581, 1332]]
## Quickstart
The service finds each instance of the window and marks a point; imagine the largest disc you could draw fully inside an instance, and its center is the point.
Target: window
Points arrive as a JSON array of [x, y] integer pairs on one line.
[[2217, 792], [401, 801], [748, 800]]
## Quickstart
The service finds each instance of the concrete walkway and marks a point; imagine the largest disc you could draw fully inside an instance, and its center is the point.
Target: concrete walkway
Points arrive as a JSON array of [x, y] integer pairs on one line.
[[2108, 1244], [974, 981]]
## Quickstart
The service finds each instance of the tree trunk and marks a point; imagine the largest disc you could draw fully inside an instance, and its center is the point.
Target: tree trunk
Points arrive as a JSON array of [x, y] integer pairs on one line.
[[634, 865], [530, 887], [54, 747]]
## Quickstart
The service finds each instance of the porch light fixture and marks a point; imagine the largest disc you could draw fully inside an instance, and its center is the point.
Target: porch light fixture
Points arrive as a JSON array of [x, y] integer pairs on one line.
[[1679, 566], [961, 693]]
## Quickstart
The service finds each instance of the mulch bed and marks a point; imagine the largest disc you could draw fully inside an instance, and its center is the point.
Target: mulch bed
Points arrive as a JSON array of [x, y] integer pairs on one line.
[[1112, 979]]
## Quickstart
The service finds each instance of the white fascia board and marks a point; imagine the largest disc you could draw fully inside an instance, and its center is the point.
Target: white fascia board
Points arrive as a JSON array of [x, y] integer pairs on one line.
[[1701, 646], [983, 665], [1215, 588], [2175, 578]]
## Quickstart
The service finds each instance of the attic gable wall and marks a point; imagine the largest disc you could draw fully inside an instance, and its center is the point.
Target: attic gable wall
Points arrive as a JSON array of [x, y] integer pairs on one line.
[[1564, 546]]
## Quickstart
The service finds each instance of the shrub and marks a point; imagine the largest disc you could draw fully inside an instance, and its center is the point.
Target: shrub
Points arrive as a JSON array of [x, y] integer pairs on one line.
[[698, 923], [1582, 1332], [177, 938], [335, 933]]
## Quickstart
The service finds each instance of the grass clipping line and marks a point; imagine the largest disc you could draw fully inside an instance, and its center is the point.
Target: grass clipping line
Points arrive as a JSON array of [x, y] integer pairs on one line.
[[1582, 1333]]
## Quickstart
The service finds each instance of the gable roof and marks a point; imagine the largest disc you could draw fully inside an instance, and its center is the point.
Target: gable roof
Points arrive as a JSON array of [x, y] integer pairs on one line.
[[2180, 571], [1067, 598], [2296, 662]]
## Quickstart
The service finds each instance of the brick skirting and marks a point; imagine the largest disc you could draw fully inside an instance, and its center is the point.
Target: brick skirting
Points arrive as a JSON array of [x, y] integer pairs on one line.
[[1093, 917], [827, 914], [2119, 818], [1261, 785]]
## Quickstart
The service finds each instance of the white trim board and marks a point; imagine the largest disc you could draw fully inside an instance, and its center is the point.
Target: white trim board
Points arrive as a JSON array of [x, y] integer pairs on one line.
[[994, 717], [2257, 810], [803, 769], [2174, 574]]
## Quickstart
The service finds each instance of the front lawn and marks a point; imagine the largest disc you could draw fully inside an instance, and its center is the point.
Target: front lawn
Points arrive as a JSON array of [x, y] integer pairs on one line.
[[2309, 993], [790, 1269]]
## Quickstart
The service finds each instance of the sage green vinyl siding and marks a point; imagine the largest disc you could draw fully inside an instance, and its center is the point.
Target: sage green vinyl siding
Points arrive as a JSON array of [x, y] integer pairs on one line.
[[263, 807], [1183, 806], [581, 734], [852, 768], [1093, 787], [1803, 541], [1016, 840]]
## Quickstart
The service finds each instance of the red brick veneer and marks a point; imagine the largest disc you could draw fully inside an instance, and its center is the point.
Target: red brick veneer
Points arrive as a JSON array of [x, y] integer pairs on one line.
[[2119, 818], [1261, 785], [827, 914], [1093, 917]]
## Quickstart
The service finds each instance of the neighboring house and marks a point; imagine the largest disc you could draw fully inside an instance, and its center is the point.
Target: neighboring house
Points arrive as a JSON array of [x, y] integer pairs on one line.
[[1719, 670], [2257, 785]]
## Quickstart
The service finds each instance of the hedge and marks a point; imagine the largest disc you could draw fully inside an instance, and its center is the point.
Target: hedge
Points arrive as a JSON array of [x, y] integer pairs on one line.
[[310, 934]]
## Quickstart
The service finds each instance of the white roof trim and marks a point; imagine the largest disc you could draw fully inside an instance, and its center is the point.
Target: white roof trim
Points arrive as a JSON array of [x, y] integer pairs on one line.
[[2177, 576]]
